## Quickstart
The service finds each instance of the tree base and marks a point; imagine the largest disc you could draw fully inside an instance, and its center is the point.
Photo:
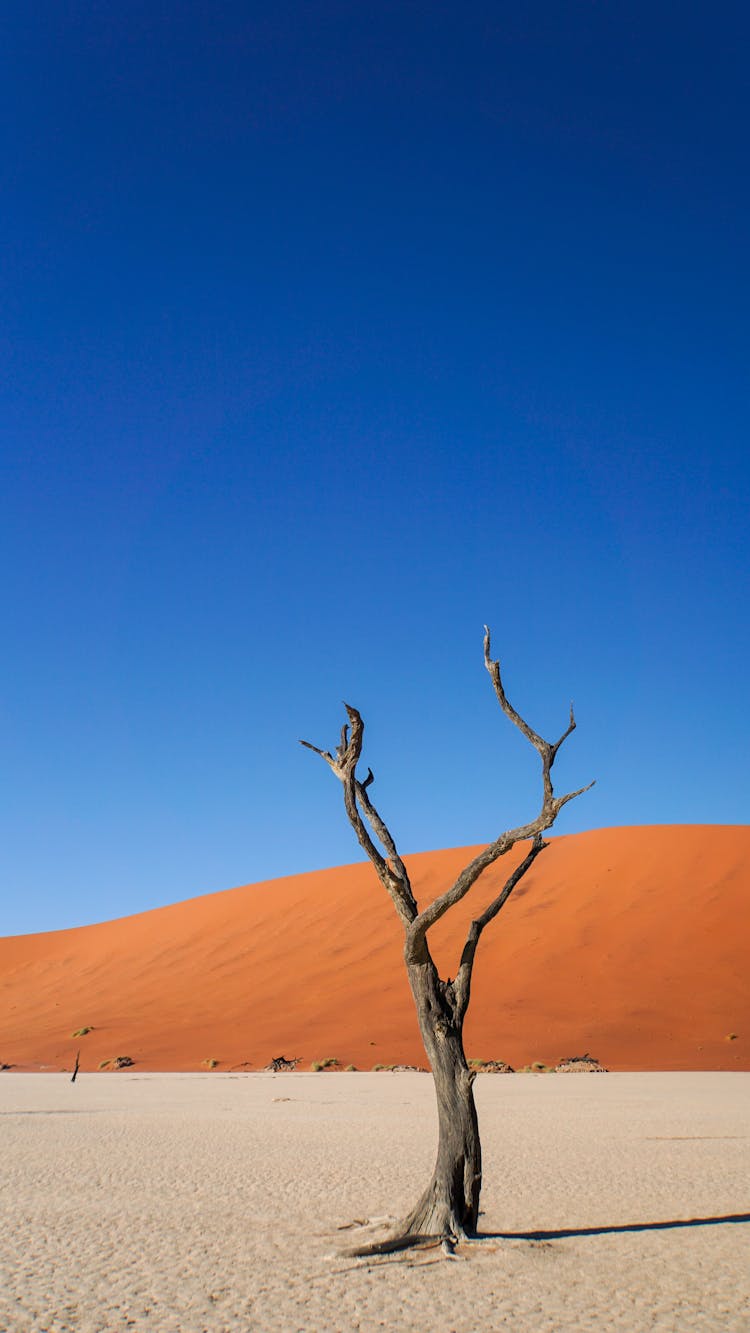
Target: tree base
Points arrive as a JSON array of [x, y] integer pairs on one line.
[[435, 1220], [440, 1214]]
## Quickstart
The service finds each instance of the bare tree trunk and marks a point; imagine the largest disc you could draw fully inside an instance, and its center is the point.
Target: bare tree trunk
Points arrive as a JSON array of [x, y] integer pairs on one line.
[[449, 1206]]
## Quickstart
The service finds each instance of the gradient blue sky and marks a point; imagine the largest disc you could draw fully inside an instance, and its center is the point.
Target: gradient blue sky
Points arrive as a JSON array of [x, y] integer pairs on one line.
[[329, 332]]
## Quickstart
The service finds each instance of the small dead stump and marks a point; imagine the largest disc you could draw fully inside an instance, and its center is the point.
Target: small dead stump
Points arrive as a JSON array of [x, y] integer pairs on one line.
[[580, 1064], [280, 1065], [122, 1062]]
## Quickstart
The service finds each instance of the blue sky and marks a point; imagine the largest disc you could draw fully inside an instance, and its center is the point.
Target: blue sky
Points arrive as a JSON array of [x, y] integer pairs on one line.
[[328, 333]]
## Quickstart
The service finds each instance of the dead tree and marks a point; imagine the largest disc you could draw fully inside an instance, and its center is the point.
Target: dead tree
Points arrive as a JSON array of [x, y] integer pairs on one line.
[[449, 1207]]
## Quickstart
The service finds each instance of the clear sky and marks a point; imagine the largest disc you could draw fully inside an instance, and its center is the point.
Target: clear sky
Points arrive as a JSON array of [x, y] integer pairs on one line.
[[329, 332]]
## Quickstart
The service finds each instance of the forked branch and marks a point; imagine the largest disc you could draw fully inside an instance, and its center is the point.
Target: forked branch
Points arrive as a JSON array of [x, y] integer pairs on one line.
[[368, 824], [390, 868], [547, 751], [550, 809], [462, 984]]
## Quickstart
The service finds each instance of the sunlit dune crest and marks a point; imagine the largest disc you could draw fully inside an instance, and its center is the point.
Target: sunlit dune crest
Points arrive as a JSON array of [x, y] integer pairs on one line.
[[629, 943]]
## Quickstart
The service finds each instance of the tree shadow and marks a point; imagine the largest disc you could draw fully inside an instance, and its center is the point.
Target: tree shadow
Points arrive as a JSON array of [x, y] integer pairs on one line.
[[565, 1233]]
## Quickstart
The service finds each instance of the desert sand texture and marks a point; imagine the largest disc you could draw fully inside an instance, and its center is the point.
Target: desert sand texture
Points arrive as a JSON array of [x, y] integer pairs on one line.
[[630, 943], [184, 1204]]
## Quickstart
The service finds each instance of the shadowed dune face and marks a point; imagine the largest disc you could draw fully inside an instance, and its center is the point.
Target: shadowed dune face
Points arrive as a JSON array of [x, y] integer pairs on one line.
[[629, 943]]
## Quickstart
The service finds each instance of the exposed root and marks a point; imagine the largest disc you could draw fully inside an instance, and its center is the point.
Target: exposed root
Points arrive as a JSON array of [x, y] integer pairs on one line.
[[409, 1241], [448, 1248]]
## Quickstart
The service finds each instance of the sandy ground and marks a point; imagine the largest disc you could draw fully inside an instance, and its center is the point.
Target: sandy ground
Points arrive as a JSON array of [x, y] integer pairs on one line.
[[182, 1203], [629, 943]]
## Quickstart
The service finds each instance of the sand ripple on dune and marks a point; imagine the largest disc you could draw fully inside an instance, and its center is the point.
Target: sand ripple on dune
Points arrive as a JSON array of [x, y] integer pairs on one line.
[[186, 1204]]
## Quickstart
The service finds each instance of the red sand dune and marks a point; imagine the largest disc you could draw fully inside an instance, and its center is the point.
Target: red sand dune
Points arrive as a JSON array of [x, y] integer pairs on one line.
[[630, 943]]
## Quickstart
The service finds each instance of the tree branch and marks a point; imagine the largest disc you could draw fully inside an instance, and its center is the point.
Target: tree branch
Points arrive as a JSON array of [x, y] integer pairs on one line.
[[462, 983], [390, 868], [550, 809], [380, 829]]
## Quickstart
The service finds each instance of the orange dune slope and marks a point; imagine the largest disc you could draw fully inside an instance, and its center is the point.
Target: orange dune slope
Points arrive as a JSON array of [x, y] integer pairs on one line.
[[630, 943]]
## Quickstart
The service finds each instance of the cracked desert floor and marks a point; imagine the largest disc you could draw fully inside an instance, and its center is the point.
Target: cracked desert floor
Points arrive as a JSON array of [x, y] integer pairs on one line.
[[202, 1203]]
